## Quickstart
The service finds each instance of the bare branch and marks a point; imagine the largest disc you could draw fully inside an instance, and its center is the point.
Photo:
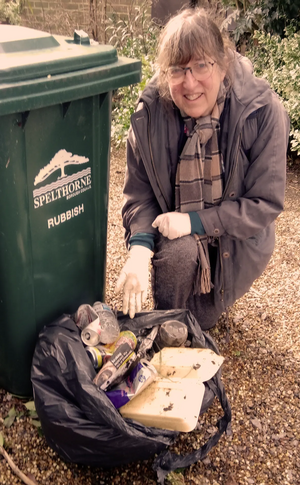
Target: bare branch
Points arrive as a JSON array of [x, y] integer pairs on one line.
[[15, 469]]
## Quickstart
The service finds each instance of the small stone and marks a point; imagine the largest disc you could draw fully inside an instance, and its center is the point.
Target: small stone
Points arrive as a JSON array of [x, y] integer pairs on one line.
[[231, 481], [279, 436], [237, 318], [199, 481], [256, 423]]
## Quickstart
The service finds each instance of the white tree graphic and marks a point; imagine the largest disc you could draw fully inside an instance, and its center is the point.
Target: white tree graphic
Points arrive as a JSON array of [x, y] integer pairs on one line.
[[60, 160]]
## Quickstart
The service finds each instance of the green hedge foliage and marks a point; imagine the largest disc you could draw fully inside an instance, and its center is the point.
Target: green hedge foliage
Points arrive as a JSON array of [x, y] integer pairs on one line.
[[278, 61], [134, 37]]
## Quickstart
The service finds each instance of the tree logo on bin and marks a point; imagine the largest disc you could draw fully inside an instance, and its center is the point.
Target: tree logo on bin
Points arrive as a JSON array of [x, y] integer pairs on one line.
[[60, 160], [66, 186]]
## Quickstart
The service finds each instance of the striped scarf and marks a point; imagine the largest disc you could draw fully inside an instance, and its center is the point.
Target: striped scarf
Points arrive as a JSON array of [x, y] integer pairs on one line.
[[199, 179]]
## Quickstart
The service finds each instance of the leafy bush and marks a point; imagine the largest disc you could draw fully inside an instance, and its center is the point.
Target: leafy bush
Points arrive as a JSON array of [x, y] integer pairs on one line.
[[277, 60], [136, 37], [10, 11], [267, 15]]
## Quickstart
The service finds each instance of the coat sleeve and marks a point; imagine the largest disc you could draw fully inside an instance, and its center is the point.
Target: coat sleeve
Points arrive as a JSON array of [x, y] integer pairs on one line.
[[140, 206], [255, 195]]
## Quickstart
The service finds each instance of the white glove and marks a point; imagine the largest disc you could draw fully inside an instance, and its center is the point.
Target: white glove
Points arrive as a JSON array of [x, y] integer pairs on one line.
[[173, 224], [133, 280]]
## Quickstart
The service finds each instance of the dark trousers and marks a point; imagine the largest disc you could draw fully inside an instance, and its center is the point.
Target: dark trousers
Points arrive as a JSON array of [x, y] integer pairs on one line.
[[174, 269]]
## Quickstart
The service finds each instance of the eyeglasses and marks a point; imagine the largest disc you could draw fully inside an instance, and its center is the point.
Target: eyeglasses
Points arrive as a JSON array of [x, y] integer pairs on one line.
[[200, 70]]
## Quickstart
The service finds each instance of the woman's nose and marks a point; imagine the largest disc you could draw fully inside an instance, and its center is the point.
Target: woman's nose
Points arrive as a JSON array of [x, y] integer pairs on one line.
[[189, 79]]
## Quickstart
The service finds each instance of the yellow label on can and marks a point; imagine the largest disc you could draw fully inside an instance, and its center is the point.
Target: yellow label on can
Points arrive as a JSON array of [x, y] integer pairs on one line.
[[125, 336], [98, 356]]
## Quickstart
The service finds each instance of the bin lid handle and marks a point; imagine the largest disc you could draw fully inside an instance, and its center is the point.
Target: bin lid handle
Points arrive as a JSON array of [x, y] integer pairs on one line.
[[81, 37]]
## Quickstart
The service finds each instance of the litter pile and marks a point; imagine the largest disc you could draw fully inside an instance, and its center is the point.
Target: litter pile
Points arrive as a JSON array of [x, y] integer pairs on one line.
[[110, 390], [160, 359]]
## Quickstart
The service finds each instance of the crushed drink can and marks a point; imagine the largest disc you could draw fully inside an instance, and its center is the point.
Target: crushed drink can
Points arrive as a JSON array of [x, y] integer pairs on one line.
[[125, 336], [146, 343], [110, 329], [171, 333], [84, 316], [90, 335], [139, 378], [119, 363]]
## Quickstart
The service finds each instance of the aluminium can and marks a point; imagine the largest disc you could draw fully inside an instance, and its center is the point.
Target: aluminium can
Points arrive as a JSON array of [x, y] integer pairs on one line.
[[126, 336], [96, 357]]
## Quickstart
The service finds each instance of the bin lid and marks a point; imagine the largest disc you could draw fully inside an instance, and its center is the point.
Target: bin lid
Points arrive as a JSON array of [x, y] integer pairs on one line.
[[55, 64], [27, 53]]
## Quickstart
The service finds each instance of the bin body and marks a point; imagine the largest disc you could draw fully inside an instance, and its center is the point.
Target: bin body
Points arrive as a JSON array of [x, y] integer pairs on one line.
[[54, 185]]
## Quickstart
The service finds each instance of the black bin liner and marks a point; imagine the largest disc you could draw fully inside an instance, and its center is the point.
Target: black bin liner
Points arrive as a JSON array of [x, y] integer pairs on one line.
[[79, 421]]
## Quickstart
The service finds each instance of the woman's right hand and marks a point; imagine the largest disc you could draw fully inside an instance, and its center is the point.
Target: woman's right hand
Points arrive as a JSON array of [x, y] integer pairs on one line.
[[173, 224], [133, 280]]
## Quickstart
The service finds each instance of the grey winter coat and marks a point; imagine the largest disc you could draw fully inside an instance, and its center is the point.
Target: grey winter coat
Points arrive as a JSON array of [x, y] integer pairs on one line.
[[253, 141]]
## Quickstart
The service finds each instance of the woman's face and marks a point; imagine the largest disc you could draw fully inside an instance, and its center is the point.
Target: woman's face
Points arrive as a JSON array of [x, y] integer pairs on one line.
[[197, 98]]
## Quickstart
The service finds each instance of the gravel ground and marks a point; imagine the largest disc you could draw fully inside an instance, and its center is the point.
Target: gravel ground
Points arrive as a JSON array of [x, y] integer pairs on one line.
[[261, 374]]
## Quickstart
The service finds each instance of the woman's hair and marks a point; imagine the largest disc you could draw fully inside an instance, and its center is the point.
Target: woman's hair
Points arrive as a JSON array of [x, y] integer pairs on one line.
[[190, 35]]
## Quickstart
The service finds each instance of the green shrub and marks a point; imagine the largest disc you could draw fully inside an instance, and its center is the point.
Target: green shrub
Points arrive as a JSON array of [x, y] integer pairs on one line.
[[135, 37], [10, 11], [277, 60], [266, 15]]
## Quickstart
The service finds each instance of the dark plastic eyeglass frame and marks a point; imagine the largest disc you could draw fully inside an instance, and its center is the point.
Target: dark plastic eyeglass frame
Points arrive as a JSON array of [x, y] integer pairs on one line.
[[190, 68]]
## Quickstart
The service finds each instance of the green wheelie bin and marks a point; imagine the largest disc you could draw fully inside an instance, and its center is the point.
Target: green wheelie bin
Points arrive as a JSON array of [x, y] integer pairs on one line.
[[55, 121]]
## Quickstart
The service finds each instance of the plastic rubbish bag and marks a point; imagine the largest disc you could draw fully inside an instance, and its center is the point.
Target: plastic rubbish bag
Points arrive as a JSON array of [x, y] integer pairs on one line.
[[79, 421]]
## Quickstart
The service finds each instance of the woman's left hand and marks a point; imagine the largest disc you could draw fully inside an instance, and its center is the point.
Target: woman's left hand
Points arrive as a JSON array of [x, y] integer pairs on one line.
[[173, 224]]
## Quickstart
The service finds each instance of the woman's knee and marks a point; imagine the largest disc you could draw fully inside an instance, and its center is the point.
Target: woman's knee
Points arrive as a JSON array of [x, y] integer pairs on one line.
[[177, 252]]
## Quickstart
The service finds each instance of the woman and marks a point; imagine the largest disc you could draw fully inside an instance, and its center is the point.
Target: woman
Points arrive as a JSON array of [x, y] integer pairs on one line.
[[205, 178]]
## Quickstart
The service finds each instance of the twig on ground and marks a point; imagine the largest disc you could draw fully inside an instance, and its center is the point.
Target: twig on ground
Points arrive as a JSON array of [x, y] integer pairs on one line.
[[15, 469]]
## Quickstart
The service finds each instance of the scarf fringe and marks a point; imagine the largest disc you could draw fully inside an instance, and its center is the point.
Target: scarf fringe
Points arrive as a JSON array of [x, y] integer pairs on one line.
[[202, 284]]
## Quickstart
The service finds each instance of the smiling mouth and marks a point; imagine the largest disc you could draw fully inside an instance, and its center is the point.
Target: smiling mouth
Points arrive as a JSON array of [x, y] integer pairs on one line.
[[192, 97]]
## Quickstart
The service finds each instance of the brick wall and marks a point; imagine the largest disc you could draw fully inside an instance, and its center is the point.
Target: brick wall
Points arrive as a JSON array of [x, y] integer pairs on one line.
[[63, 16]]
